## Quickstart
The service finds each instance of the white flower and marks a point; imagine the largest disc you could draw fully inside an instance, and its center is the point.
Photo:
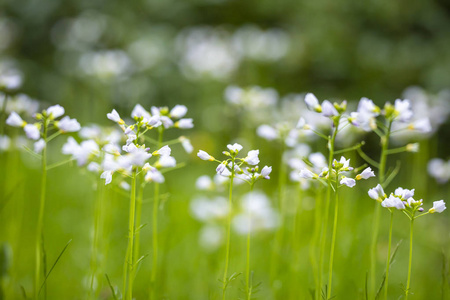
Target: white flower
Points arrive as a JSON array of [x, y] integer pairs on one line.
[[328, 109], [377, 193], [204, 183], [107, 175], [367, 106], [154, 121], [414, 203], [393, 201], [130, 139], [318, 160], [267, 132], [403, 108], [68, 125], [139, 112], [312, 102], [114, 116], [439, 169], [366, 174], [422, 125], [15, 120], [205, 156], [186, 143], [178, 111], [438, 206], [345, 164], [301, 124], [125, 185], [350, 182], [55, 111], [154, 175], [94, 167], [235, 147], [166, 121], [211, 237], [164, 151], [39, 146], [413, 147], [129, 147], [137, 157], [404, 194], [307, 174], [252, 157], [32, 132], [184, 123], [167, 161], [221, 168], [265, 172]]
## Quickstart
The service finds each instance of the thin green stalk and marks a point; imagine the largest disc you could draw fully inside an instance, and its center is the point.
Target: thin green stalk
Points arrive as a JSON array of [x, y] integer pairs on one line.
[[315, 240], [40, 222], [410, 258], [248, 284], [155, 227], [94, 257], [333, 240], [131, 223], [3, 112], [376, 221], [324, 230], [388, 260], [227, 254], [140, 197]]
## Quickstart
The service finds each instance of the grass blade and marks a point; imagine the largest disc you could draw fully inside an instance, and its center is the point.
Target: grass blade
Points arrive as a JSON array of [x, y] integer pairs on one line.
[[391, 261], [111, 287], [54, 264]]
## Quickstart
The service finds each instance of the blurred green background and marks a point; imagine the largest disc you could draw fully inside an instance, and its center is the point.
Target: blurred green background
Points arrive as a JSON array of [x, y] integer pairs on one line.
[[92, 56]]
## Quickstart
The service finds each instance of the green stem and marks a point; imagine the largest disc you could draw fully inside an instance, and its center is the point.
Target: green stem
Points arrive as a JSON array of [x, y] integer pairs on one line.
[[388, 260], [131, 222], [3, 113], [140, 197], [324, 230], [94, 257], [155, 226], [247, 269], [227, 254], [376, 221], [40, 223], [333, 241], [410, 258], [315, 241]]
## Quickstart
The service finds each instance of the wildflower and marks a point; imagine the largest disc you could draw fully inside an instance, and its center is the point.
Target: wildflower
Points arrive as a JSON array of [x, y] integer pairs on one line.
[[235, 148], [39, 146], [438, 206], [350, 182], [404, 194], [403, 110], [312, 102], [377, 193], [55, 111], [154, 175], [186, 143], [422, 125], [15, 120], [252, 157], [267, 132], [139, 112], [307, 174], [393, 201], [164, 151], [439, 169], [178, 111], [412, 147], [205, 156], [366, 174], [204, 183], [265, 172], [221, 168], [166, 121], [32, 131], [185, 124], [114, 116], [107, 175], [328, 110], [167, 161], [68, 125]]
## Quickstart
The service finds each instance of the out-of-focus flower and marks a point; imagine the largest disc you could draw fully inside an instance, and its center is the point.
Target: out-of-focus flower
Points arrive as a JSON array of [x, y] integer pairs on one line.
[[438, 206]]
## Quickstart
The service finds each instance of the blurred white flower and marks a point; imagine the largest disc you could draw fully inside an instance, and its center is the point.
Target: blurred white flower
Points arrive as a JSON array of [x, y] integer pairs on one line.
[[439, 169], [55, 111], [39, 146], [15, 120], [350, 182], [67, 124], [393, 201], [438, 206], [32, 131]]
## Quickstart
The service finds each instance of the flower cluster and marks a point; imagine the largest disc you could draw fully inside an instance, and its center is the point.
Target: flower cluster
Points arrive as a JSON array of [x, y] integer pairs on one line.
[[402, 199]]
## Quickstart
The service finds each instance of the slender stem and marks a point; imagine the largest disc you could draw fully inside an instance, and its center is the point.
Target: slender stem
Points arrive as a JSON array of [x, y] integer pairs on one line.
[[323, 232], [95, 242], [130, 260], [376, 221], [315, 240], [410, 258], [3, 112], [388, 260], [227, 254], [140, 197], [333, 241], [247, 269], [155, 226], [40, 223]]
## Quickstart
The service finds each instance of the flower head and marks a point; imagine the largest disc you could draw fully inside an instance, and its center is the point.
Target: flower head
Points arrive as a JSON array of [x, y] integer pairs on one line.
[[68, 125], [55, 111], [438, 206], [32, 131], [377, 193], [393, 201], [205, 156], [252, 157], [15, 120], [366, 174], [350, 182]]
